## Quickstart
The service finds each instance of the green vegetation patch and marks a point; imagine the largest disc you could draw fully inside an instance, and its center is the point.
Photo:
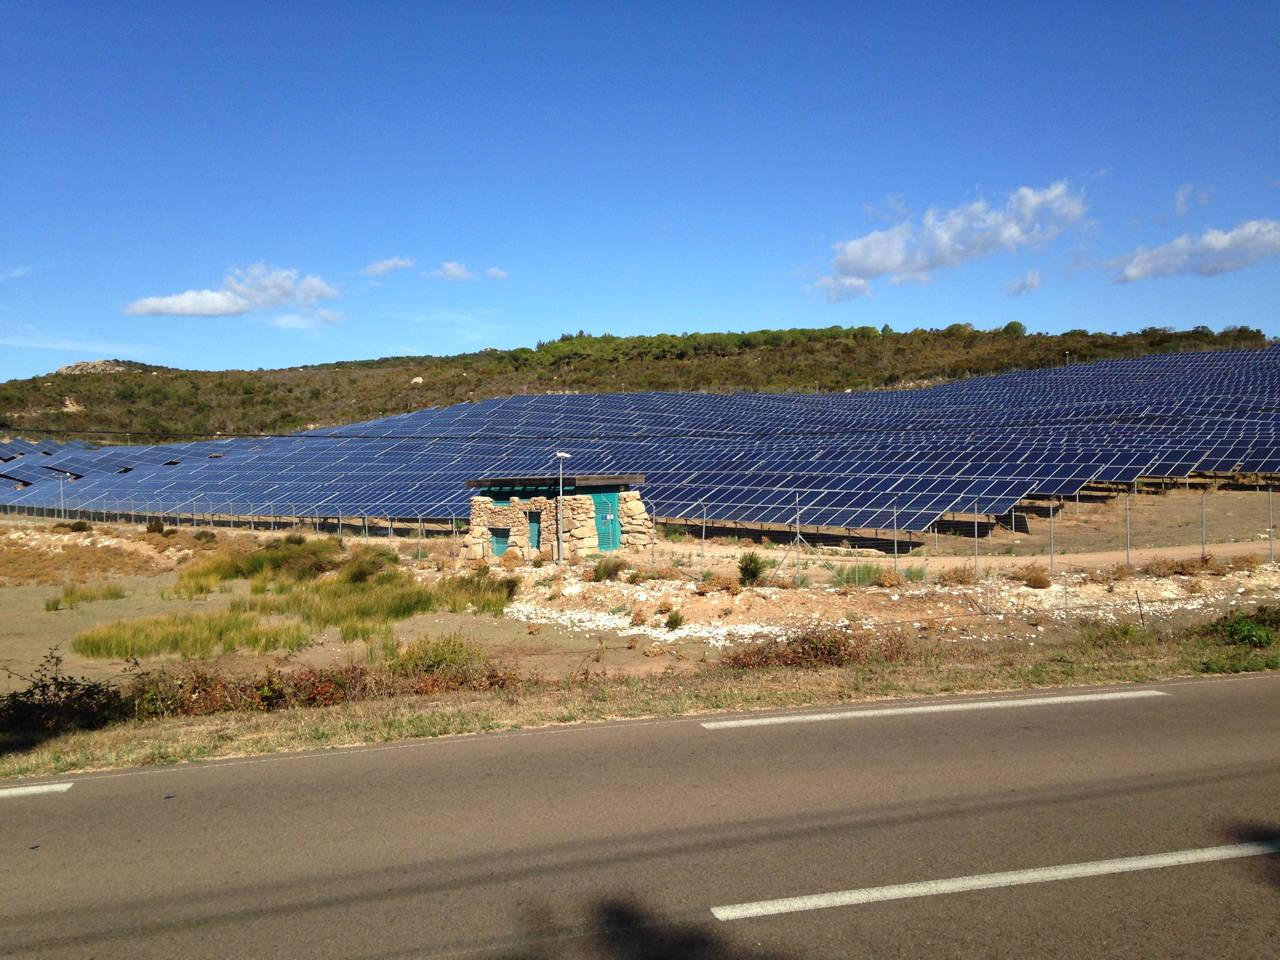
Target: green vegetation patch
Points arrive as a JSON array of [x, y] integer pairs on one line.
[[292, 558], [191, 635], [74, 595]]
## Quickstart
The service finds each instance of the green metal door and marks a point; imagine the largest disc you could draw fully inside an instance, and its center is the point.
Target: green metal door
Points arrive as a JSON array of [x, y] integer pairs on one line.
[[535, 529], [500, 536], [608, 526]]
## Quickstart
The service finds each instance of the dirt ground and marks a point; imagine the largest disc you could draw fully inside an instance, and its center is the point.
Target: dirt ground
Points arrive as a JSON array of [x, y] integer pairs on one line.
[[562, 621]]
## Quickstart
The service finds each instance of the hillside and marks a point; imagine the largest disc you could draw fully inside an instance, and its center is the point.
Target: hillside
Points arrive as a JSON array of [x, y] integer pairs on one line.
[[152, 403]]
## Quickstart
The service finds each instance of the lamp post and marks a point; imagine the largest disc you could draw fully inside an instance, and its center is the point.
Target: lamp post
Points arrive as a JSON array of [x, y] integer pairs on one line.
[[561, 457]]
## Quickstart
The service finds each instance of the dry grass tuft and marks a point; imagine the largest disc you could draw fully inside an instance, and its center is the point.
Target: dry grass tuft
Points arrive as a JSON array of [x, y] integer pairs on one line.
[[889, 579], [719, 583], [961, 575], [1034, 576], [822, 647]]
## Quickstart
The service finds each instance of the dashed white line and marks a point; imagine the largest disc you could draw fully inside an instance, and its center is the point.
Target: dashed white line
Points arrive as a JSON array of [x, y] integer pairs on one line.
[[35, 788], [988, 881], [932, 708]]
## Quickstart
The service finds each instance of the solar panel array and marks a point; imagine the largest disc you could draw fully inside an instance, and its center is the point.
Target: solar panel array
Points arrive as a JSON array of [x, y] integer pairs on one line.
[[858, 460]]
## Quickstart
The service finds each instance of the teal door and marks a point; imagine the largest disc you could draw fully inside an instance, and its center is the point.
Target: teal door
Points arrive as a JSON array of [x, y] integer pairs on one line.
[[608, 526], [535, 529], [500, 536]]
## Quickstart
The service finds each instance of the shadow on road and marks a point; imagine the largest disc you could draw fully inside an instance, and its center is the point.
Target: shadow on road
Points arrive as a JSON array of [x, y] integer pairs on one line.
[[1268, 867], [623, 930]]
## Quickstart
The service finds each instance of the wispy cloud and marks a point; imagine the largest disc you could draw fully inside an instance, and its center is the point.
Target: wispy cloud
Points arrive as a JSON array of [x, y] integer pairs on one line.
[[258, 287], [26, 338], [380, 268], [13, 273], [495, 273], [1025, 284], [1211, 253], [1185, 194], [311, 321], [453, 271], [910, 253]]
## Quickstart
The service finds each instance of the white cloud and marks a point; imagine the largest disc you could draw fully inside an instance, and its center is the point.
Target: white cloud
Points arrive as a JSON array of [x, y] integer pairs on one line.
[[910, 253], [1212, 253], [452, 270], [1183, 196], [193, 303], [1020, 285], [317, 320], [496, 273], [380, 268], [257, 287], [14, 273]]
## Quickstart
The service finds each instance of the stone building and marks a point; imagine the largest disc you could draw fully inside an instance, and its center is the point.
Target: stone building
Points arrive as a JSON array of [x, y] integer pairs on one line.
[[600, 514]]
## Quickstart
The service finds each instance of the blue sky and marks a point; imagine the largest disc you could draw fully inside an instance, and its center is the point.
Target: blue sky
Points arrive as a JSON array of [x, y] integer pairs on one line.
[[263, 185]]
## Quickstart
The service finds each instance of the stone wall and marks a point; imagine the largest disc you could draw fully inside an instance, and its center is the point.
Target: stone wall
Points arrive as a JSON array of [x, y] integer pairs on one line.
[[579, 526], [637, 525]]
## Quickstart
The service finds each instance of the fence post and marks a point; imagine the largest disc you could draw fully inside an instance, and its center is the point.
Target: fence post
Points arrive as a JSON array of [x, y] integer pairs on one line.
[[975, 537], [895, 533], [1204, 543], [1051, 536], [1271, 529], [1128, 509]]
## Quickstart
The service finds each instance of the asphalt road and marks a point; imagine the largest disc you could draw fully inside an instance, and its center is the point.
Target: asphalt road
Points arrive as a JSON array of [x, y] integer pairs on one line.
[[620, 840]]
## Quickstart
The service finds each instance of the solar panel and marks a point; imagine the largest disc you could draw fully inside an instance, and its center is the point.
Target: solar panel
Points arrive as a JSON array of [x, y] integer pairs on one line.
[[859, 460]]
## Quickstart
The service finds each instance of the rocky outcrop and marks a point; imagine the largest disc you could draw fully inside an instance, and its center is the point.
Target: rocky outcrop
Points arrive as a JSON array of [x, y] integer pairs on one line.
[[96, 366]]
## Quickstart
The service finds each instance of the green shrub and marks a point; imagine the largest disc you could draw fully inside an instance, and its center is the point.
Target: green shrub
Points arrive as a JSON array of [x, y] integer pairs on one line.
[[75, 526], [449, 657], [365, 563], [608, 568], [292, 557], [675, 620], [1246, 631], [751, 567]]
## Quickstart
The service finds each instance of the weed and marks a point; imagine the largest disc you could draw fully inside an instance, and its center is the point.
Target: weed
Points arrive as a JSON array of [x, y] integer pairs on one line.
[[365, 563], [889, 579], [958, 576], [823, 646], [205, 536], [719, 583], [53, 702], [75, 526], [854, 574], [191, 635], [751, 567], [645, 574], [1034, 576], [292, 557], [72, 596], [1256, 630], [675, 620], [608, 568]]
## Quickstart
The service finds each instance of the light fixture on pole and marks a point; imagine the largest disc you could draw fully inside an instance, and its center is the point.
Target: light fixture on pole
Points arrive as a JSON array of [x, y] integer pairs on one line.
[[561, 457]]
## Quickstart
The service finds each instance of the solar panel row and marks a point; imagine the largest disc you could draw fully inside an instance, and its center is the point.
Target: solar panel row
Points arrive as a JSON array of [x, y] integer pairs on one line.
[[869, 460]]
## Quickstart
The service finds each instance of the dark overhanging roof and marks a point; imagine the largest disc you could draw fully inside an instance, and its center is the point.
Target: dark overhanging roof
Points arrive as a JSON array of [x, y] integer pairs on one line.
[[574, 479]]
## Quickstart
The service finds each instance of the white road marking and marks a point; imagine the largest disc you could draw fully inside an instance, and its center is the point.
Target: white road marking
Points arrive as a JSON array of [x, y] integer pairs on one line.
[[988, 881], [932, 708], [35, 788]]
